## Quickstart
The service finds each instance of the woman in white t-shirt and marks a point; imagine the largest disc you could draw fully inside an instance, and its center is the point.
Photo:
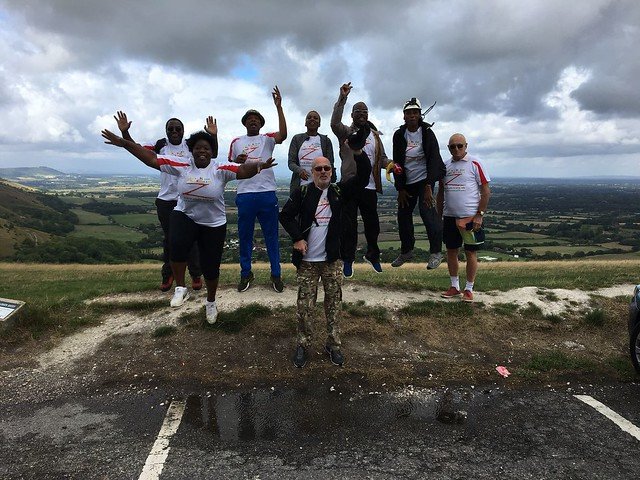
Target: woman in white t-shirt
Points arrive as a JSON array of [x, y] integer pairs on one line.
[[200, 214]]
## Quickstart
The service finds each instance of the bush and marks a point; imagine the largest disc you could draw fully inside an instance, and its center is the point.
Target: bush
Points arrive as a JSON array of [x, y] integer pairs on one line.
[[77, 250]]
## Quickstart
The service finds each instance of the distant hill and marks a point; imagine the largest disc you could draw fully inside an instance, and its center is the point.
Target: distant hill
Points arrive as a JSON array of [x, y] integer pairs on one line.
[[30, 172], [32, 216]]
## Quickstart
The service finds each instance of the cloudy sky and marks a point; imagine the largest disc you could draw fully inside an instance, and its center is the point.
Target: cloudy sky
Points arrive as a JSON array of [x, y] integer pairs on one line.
[[540, 88]]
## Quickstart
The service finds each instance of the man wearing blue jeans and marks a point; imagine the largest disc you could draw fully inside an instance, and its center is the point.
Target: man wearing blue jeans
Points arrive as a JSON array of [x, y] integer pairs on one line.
[[256, 196]]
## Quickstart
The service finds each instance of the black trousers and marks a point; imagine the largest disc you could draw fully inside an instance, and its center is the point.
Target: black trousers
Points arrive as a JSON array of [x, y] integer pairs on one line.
[[164, 209], [367, 202], [430, 218], [185, 234]]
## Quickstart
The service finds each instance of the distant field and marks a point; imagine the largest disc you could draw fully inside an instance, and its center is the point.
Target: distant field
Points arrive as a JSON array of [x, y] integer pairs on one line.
[[74, 200], [108, 232], [90, 218], [135, 219], [504, 235], [526, 242], [570, 249]]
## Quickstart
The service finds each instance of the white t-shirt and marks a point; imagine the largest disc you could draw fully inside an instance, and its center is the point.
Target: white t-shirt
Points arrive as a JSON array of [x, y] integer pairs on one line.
[[415, 165], [462, 186], [309, 151], [370, 150], [317, 239], [258, 148], [169, 183], [200, 190]]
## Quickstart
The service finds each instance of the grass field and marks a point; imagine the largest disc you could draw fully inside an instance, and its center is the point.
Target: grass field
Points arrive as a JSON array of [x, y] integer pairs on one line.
[[90, 218], [108, 232], [570, 249], [135, 219]]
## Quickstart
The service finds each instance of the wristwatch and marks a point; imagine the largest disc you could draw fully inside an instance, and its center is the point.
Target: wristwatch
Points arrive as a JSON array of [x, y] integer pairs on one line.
[[481, 213]]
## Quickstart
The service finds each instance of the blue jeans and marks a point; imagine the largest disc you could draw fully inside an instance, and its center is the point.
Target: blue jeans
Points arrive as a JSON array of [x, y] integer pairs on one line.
[[264, 207]]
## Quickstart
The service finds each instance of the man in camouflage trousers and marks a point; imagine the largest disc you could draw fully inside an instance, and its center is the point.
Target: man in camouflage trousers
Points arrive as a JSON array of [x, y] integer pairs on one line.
[[313, 218]]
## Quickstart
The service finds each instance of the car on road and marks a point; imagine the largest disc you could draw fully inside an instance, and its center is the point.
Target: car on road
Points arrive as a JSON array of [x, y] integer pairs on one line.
[[634, 328]]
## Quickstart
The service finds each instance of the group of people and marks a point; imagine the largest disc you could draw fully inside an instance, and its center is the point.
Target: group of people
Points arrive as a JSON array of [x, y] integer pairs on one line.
[[320, 215]]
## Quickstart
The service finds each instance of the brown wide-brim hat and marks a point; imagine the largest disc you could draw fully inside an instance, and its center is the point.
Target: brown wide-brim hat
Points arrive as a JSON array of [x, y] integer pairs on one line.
[[252, 112]]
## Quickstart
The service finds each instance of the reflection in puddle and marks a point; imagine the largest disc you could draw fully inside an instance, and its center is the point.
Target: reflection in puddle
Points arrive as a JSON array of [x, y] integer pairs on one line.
[[280, 414]]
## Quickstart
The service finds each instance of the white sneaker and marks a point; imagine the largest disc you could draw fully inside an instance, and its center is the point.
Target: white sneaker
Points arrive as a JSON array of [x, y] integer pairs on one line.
[[435, 259], [212, 312], [180, 295]]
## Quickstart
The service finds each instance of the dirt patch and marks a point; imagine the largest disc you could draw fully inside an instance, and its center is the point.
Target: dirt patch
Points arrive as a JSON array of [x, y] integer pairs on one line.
[[424, 340]]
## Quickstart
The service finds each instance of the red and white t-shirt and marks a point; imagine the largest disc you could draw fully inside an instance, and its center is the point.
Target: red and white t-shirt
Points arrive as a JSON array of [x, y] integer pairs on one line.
[[317, 239], [169, 183], [309, 151], [200, 190], [258, 148], [462, 186]]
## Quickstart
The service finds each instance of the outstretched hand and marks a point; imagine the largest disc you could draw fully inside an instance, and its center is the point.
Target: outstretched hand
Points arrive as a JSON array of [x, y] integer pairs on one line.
[[122, 121], [277, 98], [112, 139], [211, 127], [268, 164], [345, 89]]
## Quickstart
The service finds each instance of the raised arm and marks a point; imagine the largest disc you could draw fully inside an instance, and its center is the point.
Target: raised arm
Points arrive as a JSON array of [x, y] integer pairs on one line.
[[339, 128], [281, 134], [147, 157], [123, 125], [211, 127]]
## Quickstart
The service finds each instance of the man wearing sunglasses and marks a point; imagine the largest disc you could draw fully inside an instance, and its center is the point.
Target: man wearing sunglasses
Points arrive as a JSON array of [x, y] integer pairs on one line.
[[462, 198], [367, 199], [417, 154], [173, 144], [313, 218]]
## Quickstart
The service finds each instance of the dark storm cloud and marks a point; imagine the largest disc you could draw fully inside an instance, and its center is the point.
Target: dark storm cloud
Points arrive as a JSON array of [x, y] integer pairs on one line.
[[474, 57], [203, 36]]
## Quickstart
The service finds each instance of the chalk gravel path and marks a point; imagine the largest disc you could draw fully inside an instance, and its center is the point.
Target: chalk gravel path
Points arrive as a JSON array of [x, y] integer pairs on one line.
[[85, 342]]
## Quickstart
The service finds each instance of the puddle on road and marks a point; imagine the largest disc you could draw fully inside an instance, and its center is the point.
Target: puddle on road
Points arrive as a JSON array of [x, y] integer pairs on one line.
[[282, 414]]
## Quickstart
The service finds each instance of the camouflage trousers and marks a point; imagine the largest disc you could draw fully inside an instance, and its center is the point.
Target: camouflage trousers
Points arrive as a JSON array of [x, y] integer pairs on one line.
[[331, 275]]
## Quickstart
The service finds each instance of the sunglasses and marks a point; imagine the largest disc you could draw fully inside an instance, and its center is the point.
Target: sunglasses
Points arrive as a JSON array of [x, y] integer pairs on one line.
[[360, 111], [174, 129], [459, 146], [326, 168]]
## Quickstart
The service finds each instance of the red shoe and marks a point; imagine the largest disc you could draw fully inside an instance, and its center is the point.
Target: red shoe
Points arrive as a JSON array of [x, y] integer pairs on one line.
[[196, 283], [452, 292], [467, 296], [166, 284]]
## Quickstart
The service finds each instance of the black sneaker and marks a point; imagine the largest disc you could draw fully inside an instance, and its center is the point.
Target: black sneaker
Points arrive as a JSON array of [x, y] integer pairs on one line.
[[277, 284], [300, 357], [335, 355], [245, 282]]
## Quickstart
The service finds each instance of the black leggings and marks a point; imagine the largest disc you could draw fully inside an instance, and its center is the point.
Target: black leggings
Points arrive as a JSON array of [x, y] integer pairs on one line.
[[185, 232]]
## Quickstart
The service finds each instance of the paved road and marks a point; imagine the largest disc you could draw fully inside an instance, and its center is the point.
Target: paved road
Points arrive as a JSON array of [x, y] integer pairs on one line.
[[322, 432]]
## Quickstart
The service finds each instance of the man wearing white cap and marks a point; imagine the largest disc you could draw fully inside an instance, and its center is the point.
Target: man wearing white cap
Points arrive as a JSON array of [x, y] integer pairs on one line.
[[419, 165]]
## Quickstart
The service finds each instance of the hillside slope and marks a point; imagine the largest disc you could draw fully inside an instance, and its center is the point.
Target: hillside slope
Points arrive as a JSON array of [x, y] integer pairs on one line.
[[27, 214]]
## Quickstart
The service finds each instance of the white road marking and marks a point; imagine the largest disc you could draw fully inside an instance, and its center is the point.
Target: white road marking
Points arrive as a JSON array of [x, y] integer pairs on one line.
[[160, 450], [619, 420]]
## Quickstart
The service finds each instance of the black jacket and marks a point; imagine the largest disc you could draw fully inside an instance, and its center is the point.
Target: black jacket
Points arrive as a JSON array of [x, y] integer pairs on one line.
[[435, 166], [298, 214]]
